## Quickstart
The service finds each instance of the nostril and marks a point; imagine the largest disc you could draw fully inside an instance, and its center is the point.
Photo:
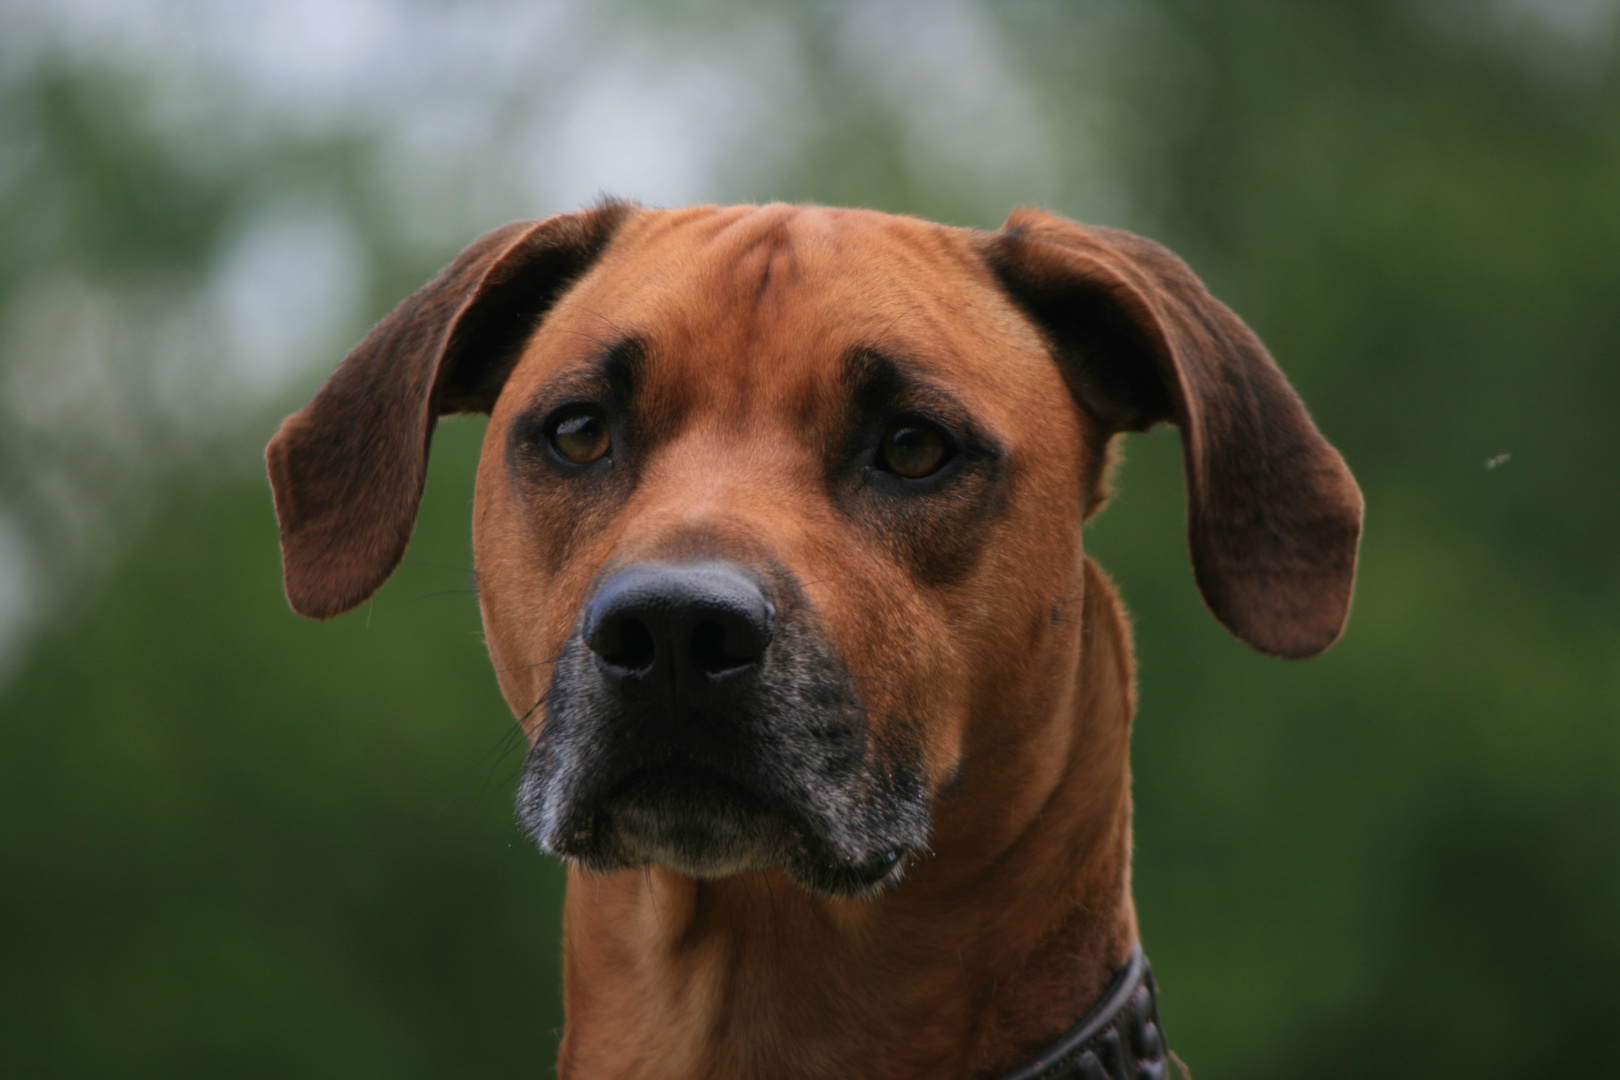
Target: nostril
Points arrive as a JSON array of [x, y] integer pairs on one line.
[[710, 652], [624, 643], [676, 627]]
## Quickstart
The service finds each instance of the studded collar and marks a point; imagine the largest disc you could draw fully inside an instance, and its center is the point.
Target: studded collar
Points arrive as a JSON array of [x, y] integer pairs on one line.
[[1120, 1038]]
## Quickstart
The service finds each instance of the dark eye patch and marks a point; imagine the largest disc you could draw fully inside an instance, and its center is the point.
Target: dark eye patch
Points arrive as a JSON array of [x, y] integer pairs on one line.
[[573, 452], [901, 424], [583, 415], [914, 469]]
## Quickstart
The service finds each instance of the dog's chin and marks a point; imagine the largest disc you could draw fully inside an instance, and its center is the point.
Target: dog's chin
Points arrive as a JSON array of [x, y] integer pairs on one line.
[[698, 826], [707, 828]]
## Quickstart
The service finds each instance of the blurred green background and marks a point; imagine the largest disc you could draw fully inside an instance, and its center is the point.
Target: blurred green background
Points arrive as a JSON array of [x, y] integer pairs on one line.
[[233, 843]]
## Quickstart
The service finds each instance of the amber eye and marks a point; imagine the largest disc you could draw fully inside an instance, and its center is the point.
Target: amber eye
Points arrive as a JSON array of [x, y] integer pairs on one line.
[[581, 435], [913, 449]]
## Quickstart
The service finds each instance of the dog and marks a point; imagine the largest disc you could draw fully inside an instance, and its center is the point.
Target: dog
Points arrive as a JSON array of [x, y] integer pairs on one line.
[[778, 538]]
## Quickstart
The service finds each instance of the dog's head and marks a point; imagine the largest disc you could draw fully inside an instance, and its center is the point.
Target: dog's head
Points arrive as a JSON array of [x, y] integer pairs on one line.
[[779, 508]]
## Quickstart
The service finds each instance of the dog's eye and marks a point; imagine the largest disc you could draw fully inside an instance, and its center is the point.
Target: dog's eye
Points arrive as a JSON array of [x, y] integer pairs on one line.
[[913, 449], [580, 434]]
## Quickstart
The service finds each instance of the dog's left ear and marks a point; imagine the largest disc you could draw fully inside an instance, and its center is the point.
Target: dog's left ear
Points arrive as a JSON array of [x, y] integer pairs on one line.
[[347, 470], [1273, 514]]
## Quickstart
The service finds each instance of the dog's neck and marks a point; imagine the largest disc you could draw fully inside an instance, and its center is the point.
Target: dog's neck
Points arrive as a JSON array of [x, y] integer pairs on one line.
[[990, 949]]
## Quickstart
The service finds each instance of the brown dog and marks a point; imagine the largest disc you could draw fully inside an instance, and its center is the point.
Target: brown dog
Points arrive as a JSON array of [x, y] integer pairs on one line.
[[778, 536]]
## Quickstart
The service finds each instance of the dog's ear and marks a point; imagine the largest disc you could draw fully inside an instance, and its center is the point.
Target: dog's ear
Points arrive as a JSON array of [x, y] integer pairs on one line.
[[347, 470], [1273, 514]]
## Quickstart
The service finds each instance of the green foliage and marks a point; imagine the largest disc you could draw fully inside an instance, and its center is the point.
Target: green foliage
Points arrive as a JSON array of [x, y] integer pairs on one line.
[[241, 844]]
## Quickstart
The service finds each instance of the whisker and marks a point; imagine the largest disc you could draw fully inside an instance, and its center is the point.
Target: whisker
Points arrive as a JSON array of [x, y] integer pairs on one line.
[[527, 667], [822, 581], [617, 329], [910, 310], [513, 738], [594, 568], [533, 709]]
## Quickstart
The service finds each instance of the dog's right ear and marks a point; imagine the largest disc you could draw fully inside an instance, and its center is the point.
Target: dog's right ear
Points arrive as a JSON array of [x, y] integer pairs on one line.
[[348, 469], [1273, 514]]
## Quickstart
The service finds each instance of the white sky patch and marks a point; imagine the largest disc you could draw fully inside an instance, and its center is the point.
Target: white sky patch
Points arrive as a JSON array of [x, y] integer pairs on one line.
[[945, 68], [636, 131], [291, 279], [662, 128], [1567, 41], [1585, 23], [70, 354], [313, 52], [1564, 44], [19, 604]]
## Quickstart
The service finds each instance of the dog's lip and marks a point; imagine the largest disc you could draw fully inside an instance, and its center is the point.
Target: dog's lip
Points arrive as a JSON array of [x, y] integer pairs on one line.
[[682, 776], [874, 875], [699, 785]]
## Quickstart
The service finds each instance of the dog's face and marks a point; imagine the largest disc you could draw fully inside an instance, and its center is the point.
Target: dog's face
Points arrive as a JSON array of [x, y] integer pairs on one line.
[[766, 509], [779, 510]]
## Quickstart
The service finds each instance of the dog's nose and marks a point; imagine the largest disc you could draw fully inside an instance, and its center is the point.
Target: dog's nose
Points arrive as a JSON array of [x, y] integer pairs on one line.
[[681, 627]]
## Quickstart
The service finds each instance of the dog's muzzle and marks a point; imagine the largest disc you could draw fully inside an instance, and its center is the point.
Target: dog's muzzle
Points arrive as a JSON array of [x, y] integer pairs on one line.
[[698, 719]]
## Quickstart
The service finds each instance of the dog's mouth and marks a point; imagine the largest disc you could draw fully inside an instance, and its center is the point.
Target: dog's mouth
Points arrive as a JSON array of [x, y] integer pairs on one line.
[[694, 820], [706, 824], [771, 767]]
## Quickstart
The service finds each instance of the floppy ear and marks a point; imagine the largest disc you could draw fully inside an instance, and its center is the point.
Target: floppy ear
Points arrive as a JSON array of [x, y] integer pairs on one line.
[[1273, 514], [347, 470]]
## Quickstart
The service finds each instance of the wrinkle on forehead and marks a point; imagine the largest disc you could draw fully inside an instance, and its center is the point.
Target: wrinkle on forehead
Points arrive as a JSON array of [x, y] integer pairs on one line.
[[774, 290], [749, 312]]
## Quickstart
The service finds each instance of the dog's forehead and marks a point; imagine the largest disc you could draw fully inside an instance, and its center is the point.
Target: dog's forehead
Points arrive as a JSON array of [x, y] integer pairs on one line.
[[778, 297]]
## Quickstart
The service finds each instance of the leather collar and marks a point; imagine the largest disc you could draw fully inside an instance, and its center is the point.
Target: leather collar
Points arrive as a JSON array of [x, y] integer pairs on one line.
[[1120, 1038]]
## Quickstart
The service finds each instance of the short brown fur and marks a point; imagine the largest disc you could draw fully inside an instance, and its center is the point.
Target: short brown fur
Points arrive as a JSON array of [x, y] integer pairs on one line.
[[985, 641]]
